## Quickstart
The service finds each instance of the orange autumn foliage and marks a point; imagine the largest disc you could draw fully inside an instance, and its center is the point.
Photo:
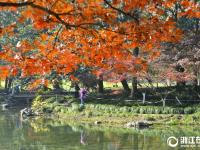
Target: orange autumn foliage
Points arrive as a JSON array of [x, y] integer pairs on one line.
[[90, 33]]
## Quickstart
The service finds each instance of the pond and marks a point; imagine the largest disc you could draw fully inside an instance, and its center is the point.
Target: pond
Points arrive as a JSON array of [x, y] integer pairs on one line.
[[48, 134]]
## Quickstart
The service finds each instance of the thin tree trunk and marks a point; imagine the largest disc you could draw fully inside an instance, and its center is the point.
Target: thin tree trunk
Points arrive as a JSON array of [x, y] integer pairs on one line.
[[134, 79], [180, 84], [77, 88], [125, 86], [197, 25], [10, 83], [196, 80], [100, 84], [6, 83], [168, 82]]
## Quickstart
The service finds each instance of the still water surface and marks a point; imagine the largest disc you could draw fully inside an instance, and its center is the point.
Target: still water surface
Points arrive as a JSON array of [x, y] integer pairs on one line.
[[48, 134]]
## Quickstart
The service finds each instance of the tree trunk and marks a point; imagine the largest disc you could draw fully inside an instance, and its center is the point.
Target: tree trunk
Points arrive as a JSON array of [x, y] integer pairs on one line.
[[77, 88], [197, 25], [100, 86], [134, 79], [125, 86], [56, 85], [196, 81], [180, 84], [6, 83], [10, 82], [168, 82], [134, 90]]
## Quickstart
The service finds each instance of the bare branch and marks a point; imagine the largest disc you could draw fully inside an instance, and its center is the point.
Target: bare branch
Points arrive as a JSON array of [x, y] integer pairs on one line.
[[56, 38], [10, 4]]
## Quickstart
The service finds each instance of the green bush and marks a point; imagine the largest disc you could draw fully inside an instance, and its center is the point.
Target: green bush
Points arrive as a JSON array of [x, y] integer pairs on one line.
[[51, 100], [142, 110], [150, 110], [125, 109], [89, 114], [63, 110], [135, 110], [47, 110], [189, 110], [158, 110], [57, 109], [75, 107]]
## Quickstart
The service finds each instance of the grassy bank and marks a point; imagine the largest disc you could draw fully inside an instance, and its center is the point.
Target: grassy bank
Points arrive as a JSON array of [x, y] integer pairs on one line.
[[69, 109]]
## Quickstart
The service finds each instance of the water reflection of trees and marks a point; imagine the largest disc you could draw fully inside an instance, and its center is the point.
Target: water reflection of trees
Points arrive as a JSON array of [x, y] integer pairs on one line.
[[49, 134], [111, 138]]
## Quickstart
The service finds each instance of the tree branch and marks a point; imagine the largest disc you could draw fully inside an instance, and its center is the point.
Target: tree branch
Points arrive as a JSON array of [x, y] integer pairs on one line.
[[57, 15], [56, 38], [31, 4], [10, 4]]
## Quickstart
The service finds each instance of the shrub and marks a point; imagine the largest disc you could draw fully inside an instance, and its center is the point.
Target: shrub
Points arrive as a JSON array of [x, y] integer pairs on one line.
[[57, 109], [158, 110], [38, 103], [63, 110], [89, 114], [47, 110], [189, 110], [75, 107], [142, 111]]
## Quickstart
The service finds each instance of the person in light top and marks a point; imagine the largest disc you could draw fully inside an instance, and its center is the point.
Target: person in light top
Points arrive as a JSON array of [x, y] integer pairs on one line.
[[82, 95]]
